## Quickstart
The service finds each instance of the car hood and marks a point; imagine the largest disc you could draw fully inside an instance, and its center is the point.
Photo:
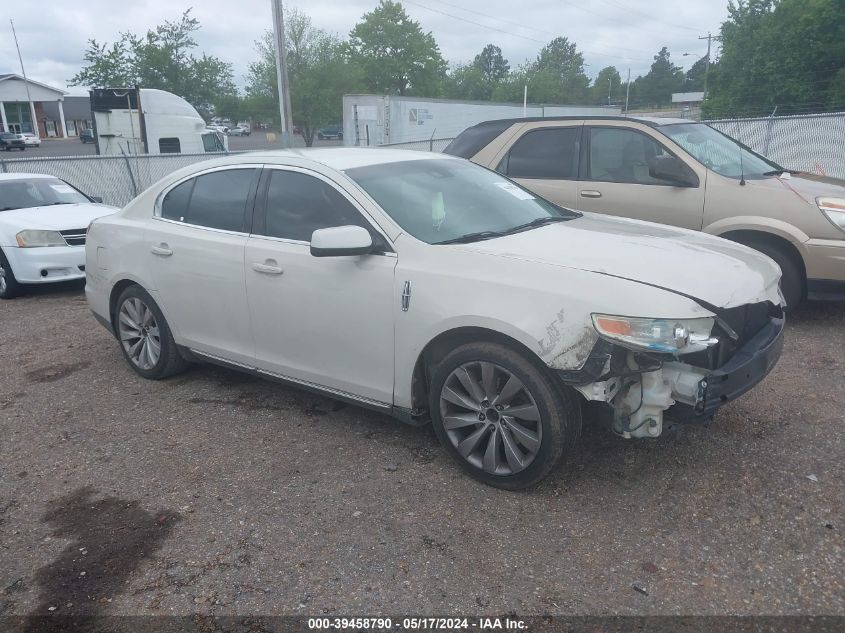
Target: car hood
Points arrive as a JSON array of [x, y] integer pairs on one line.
[[712, 270], [810, 186], [58, 217]]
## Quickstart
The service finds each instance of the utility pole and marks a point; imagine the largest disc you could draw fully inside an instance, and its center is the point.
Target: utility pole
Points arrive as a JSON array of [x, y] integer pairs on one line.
[[709, 39], [282, 71], [627, 90], [25, 83], [609, 89]]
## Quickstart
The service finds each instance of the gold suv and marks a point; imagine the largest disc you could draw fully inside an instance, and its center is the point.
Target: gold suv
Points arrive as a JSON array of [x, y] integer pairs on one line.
[[677, 172]]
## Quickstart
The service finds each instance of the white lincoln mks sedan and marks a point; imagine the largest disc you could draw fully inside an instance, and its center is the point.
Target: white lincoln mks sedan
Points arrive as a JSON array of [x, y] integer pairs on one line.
[[434, 290]]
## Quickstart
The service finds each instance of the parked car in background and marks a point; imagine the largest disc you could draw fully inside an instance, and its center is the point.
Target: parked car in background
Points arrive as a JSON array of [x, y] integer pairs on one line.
[[331, 132], [431, 289], [677, 172], [11, 140], [31, 140], [239, 130], [87, 135], [42, 230]]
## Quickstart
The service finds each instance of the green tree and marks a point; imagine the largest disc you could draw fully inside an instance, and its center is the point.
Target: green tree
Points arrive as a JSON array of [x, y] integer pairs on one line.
[[694, 78], [395, 53], [319, 74], [607, 87], [163, 59], [491, 64], [778, 53], [664, 78], [559, 74]]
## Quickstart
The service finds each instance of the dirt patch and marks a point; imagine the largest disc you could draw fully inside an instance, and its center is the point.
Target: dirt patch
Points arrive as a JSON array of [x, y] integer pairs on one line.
[[111, 537], [52, 373]]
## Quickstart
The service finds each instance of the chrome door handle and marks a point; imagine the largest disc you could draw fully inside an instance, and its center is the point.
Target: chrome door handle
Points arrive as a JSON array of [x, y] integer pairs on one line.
[[268, 269], [161, 250], [590, 193]]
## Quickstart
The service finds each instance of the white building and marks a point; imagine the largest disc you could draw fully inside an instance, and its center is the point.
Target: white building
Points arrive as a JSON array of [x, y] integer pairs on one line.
[[16, 113]]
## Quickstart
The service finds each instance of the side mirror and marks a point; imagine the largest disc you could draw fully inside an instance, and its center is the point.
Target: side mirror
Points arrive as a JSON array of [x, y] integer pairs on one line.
[[672, 169], [96, 199], [340, 241]]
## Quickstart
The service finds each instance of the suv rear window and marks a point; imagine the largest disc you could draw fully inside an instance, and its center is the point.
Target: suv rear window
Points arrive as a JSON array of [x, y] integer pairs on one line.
[[472, 140]]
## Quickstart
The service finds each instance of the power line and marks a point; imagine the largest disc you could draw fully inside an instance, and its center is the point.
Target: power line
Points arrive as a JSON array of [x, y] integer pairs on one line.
[[526, 37], [649, 16]]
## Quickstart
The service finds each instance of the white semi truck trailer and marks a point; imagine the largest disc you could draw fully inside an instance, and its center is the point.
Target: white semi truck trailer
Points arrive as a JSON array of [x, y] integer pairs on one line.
[[148, 121]]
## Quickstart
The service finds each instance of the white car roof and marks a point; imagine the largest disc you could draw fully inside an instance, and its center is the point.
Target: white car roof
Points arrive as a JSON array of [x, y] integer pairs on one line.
[[14, 176], [343, 158]]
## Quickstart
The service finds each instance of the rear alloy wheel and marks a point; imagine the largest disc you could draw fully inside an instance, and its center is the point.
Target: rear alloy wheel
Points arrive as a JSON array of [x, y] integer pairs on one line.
[[145, 337], [500, 416], [9, 286]]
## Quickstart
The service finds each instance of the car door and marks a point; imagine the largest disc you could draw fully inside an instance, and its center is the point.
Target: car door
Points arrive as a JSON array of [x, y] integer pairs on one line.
[[544, 159], [320, 321], [196, 253], [614, 178]]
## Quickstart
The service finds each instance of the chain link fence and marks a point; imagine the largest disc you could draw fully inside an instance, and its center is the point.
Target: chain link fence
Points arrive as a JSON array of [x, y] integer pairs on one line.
[[116, 179], [811, 142]]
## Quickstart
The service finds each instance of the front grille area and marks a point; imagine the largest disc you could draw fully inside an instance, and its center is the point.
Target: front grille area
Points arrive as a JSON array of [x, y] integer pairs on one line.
[[74, 237], [742, 321]]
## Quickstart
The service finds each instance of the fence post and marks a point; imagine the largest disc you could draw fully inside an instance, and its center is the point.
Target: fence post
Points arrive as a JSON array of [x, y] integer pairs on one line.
[[431, 140], [131, 176], [3, 166]]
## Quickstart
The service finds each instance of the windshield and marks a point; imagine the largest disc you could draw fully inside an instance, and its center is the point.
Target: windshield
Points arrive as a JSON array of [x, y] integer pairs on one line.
[[719, 152], [37, 192], [438, 200]]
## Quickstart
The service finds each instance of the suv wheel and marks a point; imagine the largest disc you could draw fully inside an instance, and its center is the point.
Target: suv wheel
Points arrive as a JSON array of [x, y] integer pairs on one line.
[[501, 417], [792, 279], [145, 337], [9, 286]]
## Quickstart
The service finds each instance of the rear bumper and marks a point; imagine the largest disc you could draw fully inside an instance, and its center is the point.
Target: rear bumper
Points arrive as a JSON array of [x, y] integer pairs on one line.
[[46, 265], [748, 366]]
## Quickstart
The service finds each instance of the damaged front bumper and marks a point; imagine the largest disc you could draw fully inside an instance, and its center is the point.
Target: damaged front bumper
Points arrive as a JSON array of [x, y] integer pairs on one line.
[[641, 389]]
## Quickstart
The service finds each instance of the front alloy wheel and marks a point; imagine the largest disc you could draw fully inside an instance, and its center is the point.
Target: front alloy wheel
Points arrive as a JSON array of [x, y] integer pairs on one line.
[[501, 415], [490, 418]]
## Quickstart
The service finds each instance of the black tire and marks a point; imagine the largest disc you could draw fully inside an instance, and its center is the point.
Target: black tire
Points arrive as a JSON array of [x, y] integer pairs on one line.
[[559, 409], [792, 277], [9, 286], [169, 362]]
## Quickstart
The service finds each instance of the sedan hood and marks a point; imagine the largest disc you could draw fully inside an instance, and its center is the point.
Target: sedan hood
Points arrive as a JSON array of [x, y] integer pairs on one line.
[[57, 217], [718, 272]]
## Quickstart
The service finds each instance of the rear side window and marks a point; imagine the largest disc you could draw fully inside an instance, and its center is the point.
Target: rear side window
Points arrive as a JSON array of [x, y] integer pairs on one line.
[[169, 146], [551, 153], [175, 203], [216, 200], [299, 204]]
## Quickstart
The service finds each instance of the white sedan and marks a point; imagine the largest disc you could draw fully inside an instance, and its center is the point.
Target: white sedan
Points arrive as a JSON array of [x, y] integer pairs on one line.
[[434, 290], [42, 231], [31, 140]]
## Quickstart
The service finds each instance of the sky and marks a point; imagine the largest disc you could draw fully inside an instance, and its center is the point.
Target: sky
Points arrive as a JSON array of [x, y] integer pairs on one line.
[[53, 34]]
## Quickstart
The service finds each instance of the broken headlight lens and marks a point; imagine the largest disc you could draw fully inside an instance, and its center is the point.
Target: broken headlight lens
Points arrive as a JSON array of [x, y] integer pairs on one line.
[[834, 209], [36, 238], [668, 336]]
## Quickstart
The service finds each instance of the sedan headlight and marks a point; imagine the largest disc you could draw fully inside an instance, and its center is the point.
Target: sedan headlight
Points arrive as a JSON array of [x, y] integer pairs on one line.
[[668, 336], [35, 239], [834, 209]]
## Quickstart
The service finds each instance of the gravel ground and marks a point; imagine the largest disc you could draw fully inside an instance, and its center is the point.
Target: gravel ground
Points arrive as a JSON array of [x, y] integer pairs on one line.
[[217, 493]]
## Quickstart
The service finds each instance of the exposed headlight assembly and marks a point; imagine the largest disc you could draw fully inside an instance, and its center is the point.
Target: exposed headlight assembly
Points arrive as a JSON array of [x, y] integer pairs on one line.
[[834, 209], [36, 239], [667, 336]]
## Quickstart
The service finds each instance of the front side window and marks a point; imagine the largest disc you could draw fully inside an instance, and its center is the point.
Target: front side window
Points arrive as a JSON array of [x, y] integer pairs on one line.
[[550, 153], [448, 200], [719, 152], [622, 155], [298, 204], [216, 200], [212, 143]]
